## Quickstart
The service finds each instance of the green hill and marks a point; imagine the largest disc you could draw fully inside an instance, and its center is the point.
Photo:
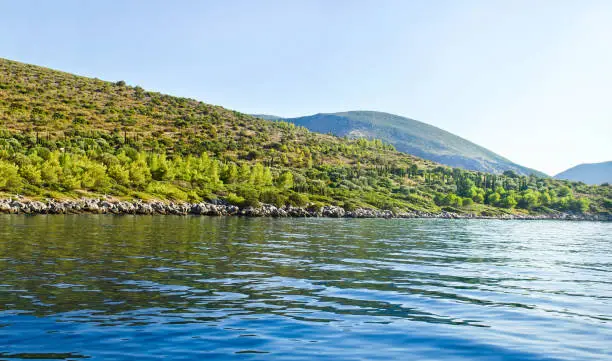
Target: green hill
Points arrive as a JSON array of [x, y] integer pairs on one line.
[[67, 136], [591, 173], [410, 136]]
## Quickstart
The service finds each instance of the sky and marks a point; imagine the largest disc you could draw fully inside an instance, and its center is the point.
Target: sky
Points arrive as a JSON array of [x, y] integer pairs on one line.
[[529, 80]]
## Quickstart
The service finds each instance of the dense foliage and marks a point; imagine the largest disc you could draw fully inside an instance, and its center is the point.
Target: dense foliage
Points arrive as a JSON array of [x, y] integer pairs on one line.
[[65, 136]]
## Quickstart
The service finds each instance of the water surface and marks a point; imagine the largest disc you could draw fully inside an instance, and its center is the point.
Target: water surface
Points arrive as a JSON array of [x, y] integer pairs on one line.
[[202, 288]]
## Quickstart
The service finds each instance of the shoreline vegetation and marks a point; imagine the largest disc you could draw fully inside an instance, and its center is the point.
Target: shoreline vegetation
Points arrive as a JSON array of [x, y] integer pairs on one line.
[[139, 207], [66, 137]]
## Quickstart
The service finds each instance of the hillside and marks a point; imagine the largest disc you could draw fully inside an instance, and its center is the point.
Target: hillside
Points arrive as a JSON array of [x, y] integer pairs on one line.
[[412, 137], [65, 136], [589, 173]]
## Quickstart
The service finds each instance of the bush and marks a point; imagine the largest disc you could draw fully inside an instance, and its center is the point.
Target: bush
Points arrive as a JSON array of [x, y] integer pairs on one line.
[[31, 174], [234, 199], [9, 176], [466, 202], [273, 197], [478, 198], [509, 202], [579, 205], [298, 199], [167, 190], [349, 206]]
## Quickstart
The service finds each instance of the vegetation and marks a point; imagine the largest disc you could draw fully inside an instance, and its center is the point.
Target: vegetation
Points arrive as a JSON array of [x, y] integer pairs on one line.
[[63, 135]]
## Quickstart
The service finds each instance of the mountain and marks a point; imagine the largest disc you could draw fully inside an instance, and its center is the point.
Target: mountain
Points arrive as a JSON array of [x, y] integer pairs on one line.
[[67, 136], [412, 137], [589, 173], [266, 116]]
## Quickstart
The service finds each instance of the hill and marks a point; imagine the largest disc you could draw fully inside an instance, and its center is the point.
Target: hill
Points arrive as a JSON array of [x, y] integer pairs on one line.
[[64, 136], [412, 137], [589, 173]]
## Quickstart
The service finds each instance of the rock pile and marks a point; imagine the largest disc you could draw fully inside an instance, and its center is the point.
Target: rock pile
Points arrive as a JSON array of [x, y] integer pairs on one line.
[[218, 208]]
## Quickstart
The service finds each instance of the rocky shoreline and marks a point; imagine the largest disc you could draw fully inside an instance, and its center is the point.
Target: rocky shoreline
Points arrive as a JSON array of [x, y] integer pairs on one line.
[[102, 206]]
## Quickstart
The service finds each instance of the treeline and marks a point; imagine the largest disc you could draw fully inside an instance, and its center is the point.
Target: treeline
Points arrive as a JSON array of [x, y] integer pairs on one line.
[[41, 171], [63, 166]]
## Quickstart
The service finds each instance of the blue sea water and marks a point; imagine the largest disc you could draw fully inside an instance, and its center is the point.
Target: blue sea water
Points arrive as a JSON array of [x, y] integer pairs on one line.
[[205, 288]]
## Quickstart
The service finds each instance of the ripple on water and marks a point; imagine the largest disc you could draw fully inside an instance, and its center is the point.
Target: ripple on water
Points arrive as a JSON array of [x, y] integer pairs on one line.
[[118, 288]]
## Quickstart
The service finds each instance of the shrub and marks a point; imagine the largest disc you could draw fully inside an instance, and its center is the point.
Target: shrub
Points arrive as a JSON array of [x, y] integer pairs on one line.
[[167, 190], [234, 199], [509, 202], [31, 174], [273, 197], [349, 206], [298, 199], [9, 176], [466, 202], [579, 205]]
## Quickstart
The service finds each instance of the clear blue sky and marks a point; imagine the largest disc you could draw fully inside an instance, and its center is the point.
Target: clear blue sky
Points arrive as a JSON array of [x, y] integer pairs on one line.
[[530, 80]]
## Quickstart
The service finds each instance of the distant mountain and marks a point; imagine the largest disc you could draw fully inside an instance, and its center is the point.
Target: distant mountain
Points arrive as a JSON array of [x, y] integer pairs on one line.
[[590, 173], [266, 116], [410, 136]]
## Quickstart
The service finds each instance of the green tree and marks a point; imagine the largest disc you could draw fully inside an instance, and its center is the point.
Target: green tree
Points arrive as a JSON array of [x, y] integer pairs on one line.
[[466, 187], [564, 191], [139, 173], [31, 174], [509, 202], [119, 174], [466, 202], [9, 176], [580, 205], [285, 181], [493, 198]]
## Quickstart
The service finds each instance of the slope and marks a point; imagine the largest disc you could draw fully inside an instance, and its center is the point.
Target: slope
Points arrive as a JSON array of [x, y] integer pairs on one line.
[[411, 136], [590, 173], [67, 136]]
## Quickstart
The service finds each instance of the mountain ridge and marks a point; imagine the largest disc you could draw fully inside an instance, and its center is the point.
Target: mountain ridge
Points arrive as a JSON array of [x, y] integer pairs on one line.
[[410, 136], [589, 173]]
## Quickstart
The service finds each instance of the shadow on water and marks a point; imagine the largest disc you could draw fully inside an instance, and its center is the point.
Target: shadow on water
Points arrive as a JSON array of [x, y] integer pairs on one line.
[[189, 287]]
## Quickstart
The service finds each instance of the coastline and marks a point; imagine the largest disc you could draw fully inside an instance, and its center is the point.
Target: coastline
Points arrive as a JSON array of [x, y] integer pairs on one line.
[[101, 206]]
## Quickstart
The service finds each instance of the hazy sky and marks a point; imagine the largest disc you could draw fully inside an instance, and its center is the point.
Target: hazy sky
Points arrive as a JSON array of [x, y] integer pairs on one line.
[[530, 80]]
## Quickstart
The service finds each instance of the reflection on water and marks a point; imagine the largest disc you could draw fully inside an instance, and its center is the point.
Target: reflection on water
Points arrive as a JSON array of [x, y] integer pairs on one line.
[[109, 287]]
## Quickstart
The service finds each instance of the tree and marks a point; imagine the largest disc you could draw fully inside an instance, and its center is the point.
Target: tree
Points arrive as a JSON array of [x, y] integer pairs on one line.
[[579, 205], [509, 202], [466, 187], [544, 198], [51, 171], [510, 174], [493, 198], [31, 174], [528, 200], [9, 176], [564, 191], [139, 173], [94, 177], [230, 173], [119, 174], [478, 198], [285, 181], [466, 202], [244, 173]]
